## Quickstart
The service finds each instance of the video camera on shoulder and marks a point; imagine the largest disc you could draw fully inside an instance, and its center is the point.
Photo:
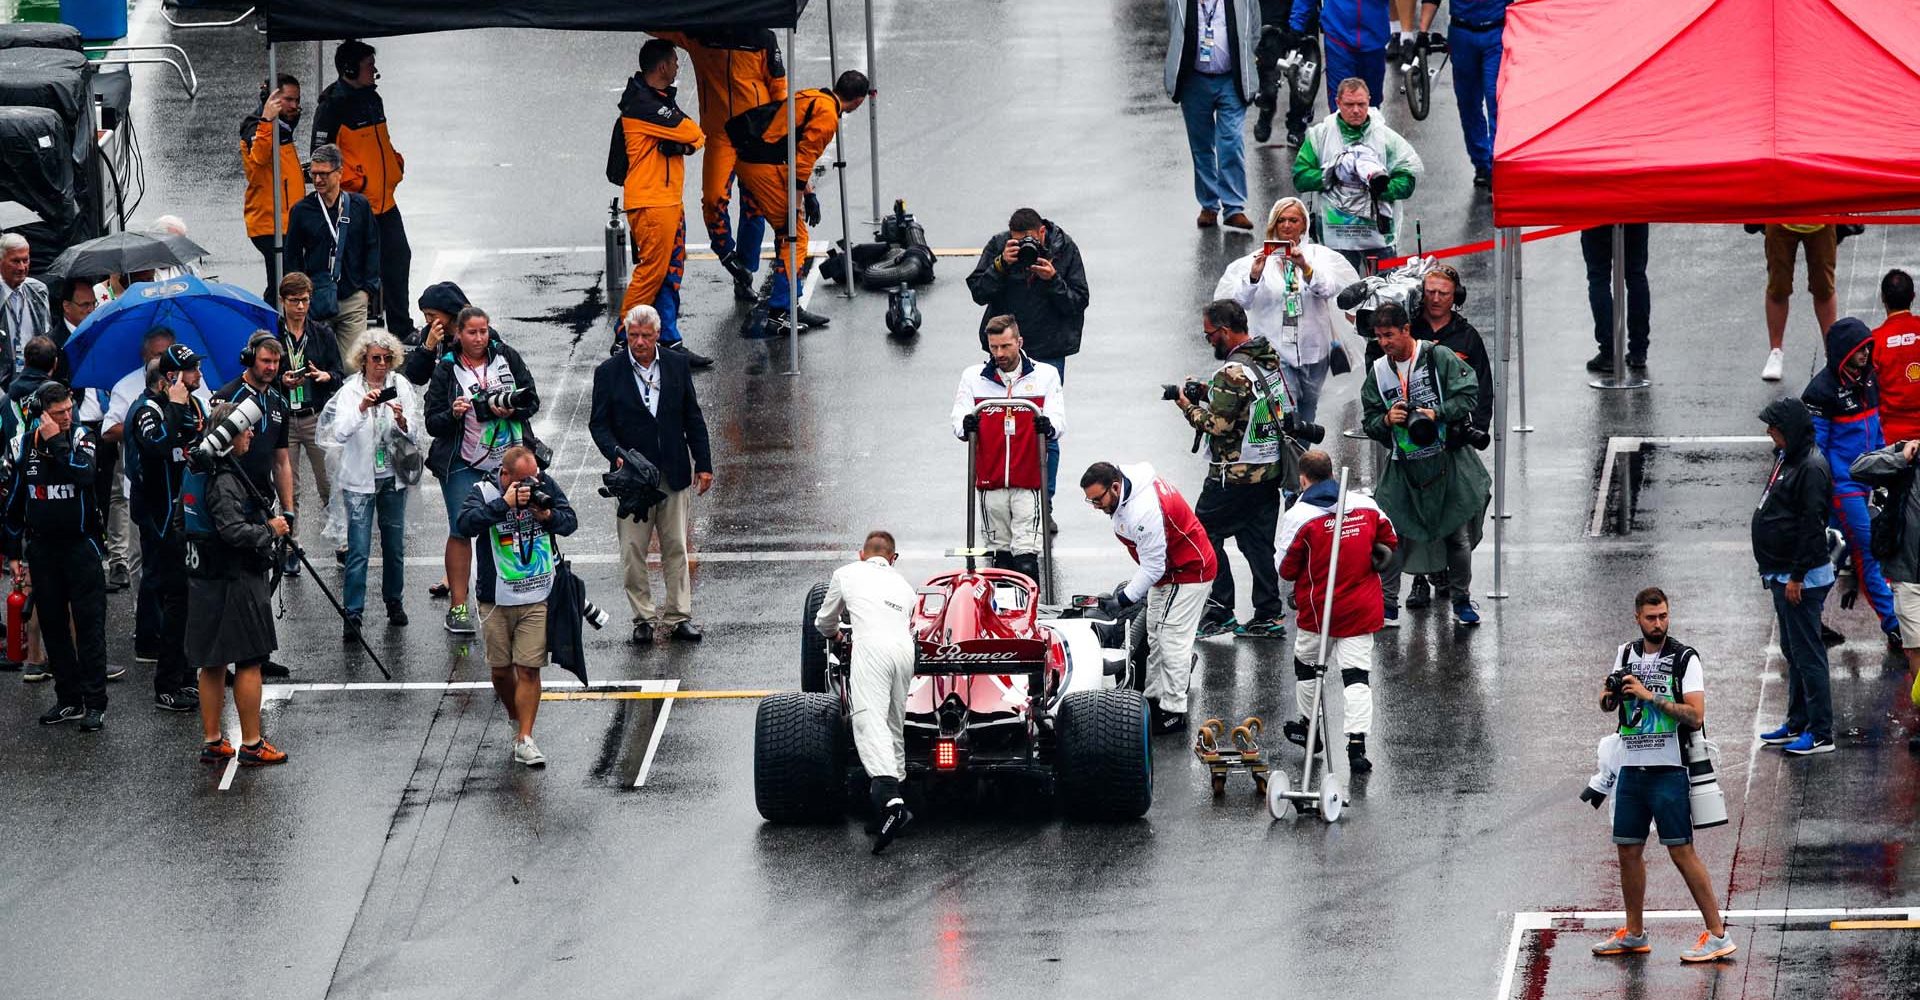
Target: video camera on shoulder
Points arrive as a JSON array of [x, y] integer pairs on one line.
[[507, 399]]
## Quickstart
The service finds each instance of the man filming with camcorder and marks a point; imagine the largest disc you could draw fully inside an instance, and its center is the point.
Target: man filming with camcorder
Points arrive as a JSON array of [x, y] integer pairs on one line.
[[1657, 686], [1245, 413]]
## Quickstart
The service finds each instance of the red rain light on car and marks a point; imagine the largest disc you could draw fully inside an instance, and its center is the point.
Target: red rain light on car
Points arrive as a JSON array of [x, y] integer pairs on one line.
[[944, 755]]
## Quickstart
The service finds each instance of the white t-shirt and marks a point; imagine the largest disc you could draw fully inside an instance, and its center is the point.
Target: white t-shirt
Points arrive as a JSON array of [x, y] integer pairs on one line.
[[1648, 736]]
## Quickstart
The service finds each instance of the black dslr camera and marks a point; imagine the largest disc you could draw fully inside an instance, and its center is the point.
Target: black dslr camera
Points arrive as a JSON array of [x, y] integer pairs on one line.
[[1195, 390], [1030, 250], [484, 400], [1616, 690], [1302, 431], [537, 498], [1422, 430]]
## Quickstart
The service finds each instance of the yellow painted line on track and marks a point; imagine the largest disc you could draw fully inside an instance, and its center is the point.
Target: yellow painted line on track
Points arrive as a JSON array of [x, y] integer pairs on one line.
[[1874, 925], [647, 695]]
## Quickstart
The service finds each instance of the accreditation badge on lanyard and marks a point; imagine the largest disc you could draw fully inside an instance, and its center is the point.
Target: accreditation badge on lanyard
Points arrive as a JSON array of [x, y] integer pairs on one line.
[[1291, 281], [1206, 30], [333, 227]]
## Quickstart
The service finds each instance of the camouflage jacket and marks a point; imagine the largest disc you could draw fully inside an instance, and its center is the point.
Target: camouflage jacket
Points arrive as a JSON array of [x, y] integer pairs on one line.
[[1230, 404]]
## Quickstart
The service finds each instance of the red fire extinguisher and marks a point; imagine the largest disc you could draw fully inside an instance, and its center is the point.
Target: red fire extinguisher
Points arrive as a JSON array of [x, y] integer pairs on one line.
[[17, 625]]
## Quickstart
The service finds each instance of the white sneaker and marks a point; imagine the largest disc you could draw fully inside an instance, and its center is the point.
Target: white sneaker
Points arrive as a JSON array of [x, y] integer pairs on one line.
[[525, 752], [1775, 367]]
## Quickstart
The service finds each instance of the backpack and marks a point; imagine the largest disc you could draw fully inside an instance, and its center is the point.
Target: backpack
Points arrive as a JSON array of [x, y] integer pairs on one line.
[[1887, 529], [195, 516], [617, 155], [747, 129]]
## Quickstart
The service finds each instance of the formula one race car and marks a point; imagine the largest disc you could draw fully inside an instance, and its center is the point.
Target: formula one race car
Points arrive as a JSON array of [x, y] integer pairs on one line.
[[1003, 688]]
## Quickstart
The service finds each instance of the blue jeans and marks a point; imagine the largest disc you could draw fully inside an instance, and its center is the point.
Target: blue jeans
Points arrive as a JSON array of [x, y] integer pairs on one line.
[[1476, 68], [1216, 115], [1305, 383], [1809, 703], [1649, 797], [1343, 62], [1596, 246], [389, 507]]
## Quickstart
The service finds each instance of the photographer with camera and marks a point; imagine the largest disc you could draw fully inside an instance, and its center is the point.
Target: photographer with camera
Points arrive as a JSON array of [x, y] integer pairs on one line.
[[515, 521], [1441, 322], [268, 464], [478, 403], [1287, 288], [644, 401], [1361, 169], [1006, 474], [1244, 412], [310, 376], [1033, 272], [1418, 401], [230, 534], [51, 526], [375, 423], [1657, 686], [1176, 569], [166, 421]]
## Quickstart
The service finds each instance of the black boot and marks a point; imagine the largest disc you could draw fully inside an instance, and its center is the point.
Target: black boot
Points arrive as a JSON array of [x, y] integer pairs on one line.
[[890, 812], [1263, 122], [1357, 761], [1002, 559]]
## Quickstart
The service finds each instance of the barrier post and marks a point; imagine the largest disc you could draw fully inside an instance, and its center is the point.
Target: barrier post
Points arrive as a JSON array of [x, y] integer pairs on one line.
[[840, 157]]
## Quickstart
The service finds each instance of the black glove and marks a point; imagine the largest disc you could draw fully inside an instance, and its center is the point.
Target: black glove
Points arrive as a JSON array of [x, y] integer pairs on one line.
[[1850, 595], [1378, 184], [1434, 41], [1113, 605], [811, 204], [1044, 425], [1382, 557], [677, 148], [970, 424]]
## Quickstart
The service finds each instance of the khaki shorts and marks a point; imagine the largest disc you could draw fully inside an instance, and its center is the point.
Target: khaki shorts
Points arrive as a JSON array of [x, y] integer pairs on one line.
[[1822, 248], [514, 634], [1906, 607]]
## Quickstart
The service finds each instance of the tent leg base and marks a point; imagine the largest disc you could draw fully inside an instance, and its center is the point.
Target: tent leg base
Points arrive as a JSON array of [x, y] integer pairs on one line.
[[1620, 383], [1523, 429], [1497, 595]]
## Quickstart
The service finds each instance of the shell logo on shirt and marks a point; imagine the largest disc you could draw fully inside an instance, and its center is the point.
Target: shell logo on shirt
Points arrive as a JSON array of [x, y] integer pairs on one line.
[[1913, 371]]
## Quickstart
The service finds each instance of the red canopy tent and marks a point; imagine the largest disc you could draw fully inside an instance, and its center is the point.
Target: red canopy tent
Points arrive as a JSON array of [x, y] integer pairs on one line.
[[1703, 111]]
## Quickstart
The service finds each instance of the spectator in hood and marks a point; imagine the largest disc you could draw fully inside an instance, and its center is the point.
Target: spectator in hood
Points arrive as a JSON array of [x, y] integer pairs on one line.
[[279, 114], [1846, 425], [439, 304], [1790, 546]]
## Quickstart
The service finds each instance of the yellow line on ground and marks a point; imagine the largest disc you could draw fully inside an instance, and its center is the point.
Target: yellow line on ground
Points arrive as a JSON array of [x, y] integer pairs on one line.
[[646, 695], [1874, 925]]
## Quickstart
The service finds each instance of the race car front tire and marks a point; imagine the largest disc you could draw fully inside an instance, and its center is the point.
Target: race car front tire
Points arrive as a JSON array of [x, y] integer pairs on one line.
[[799, 758], [1106, 763], [813, 645]]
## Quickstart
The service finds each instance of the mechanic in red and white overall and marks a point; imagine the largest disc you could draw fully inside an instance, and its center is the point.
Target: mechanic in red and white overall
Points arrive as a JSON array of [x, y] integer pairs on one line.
[[1008, 471], [879, 602], [1306, 554], [1177, 567]]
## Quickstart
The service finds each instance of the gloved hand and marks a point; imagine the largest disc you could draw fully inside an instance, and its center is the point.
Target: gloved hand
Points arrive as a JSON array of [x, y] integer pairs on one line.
[[1434, 41], [1043, 424], [1382, 557], [1850, 595], [1378, 184], [970, 424], [677, 148], [811, 205], [1113, 605]]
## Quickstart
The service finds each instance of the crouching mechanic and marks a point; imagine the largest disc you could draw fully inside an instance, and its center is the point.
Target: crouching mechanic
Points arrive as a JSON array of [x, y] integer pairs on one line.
[[1008, 473], [879, 601], [1176, 572], [515, 521], [1652, 789], [1306, 553]]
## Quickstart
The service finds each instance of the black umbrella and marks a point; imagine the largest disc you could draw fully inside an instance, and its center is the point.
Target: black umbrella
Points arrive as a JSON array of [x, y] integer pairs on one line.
[[125, 253]]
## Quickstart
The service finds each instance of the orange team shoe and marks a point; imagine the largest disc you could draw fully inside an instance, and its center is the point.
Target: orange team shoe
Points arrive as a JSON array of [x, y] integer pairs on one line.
[[216, 752], [261, 754]]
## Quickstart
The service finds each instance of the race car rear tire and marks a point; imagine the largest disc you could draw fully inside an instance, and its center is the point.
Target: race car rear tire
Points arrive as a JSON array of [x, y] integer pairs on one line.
[[1137, 652], [813, 645], [799, 759], [1106, 763]]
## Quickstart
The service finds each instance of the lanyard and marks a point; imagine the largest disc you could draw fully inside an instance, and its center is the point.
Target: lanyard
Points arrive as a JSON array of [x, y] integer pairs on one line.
[[333, 227], [1773, 478], [647, 385]]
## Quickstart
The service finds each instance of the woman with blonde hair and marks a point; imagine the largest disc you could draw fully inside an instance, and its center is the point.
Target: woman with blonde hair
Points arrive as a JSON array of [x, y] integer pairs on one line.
[[375, 428], [1287, 288]]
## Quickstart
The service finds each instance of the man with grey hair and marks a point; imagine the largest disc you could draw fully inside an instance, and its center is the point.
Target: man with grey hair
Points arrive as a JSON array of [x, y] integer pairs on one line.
[[25, 312], [332, 238], [644, 404], [1359, 169], [175, 226]]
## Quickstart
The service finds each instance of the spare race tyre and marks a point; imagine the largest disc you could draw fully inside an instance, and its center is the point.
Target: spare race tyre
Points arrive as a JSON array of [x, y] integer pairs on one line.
[[1106, 765], [799, 761], [813, 645]]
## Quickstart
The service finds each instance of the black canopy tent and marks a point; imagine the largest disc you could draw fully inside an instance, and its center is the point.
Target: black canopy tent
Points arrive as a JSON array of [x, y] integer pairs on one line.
[[332, 20]]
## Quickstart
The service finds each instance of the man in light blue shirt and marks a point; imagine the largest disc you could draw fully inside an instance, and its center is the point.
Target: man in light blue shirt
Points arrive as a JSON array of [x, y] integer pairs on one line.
[[1210, 72]]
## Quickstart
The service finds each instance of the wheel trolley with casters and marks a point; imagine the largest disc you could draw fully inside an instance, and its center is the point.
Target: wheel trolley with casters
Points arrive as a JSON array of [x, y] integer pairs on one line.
[[1242, 756], [973, 550], [1329, 796]]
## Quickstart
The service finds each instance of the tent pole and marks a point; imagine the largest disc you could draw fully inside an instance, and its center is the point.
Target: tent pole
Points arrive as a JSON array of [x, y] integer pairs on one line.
[[840, 157], [1519, 248], [1501, 320], [1619, 379], [873, 123], [794, 256], [1505, 255], [279, 211]]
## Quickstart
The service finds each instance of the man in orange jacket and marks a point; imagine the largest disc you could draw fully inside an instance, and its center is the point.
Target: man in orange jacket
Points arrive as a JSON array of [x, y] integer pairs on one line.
[[765, 180], [734, 69], [656, 137], [281, 107], [352, 116]]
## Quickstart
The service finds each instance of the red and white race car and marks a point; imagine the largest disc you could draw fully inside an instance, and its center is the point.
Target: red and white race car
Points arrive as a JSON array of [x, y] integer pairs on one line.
[[1003, 688]]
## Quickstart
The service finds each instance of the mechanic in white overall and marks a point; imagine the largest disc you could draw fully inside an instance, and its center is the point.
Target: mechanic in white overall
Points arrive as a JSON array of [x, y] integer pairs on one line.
[[879, 602]]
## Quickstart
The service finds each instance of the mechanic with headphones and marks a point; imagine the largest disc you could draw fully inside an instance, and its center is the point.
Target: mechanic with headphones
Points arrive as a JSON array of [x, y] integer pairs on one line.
[[1441, 322], [268, 464]]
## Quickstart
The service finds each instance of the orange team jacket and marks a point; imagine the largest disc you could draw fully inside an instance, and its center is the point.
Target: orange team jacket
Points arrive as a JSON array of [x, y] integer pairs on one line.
[[256, 139], [735, 69], [355, 119], [647, 119], [817, 112]]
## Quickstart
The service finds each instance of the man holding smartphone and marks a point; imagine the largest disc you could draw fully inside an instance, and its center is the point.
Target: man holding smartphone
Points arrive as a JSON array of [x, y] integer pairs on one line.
[[165, 424], [311, 375]]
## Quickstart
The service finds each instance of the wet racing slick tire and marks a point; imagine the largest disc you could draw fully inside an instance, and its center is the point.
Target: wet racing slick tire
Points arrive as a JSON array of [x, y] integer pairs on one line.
[[1106, 766], [1137, 652], [799, 758], [813, 645]]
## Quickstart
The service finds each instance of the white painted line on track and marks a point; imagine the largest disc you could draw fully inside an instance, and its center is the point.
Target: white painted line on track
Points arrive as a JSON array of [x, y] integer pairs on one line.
[[226, 777], [1617, 446], [659, 727]]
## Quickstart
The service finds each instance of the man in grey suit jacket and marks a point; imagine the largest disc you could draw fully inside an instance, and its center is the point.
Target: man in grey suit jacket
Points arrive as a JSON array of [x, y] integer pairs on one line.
[[24, 309]]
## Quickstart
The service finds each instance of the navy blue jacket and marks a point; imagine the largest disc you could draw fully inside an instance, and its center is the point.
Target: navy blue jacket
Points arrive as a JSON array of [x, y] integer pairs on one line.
[[675, 441], [1846, 408], [310, 244]]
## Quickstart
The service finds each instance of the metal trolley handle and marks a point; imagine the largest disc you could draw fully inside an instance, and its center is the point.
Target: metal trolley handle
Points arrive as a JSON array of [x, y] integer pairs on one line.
[[1046, 502]]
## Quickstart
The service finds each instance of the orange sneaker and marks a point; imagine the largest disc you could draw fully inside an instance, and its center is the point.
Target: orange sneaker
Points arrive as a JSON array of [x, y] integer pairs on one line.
[[216, 752], [261, 754]]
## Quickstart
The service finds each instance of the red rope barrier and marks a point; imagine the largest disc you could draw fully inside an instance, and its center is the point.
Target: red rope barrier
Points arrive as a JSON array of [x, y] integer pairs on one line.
[[1481, 246]]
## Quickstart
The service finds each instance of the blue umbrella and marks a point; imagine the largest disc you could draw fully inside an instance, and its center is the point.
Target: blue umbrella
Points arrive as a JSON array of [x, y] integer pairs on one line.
[[212, 318]]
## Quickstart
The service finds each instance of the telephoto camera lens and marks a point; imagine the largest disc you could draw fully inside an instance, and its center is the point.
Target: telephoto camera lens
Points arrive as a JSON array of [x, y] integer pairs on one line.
[[219, 438], [1422, 430], [594, 616], [1304, 432]]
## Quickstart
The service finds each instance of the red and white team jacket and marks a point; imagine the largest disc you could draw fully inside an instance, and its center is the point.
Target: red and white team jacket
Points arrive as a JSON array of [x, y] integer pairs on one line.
[[1305, 544], [1008, 456], [1159, 530]]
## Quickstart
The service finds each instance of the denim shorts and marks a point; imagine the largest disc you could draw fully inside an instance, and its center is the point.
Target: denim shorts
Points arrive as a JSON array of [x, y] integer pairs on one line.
[[1652, 795], [454, 490]]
